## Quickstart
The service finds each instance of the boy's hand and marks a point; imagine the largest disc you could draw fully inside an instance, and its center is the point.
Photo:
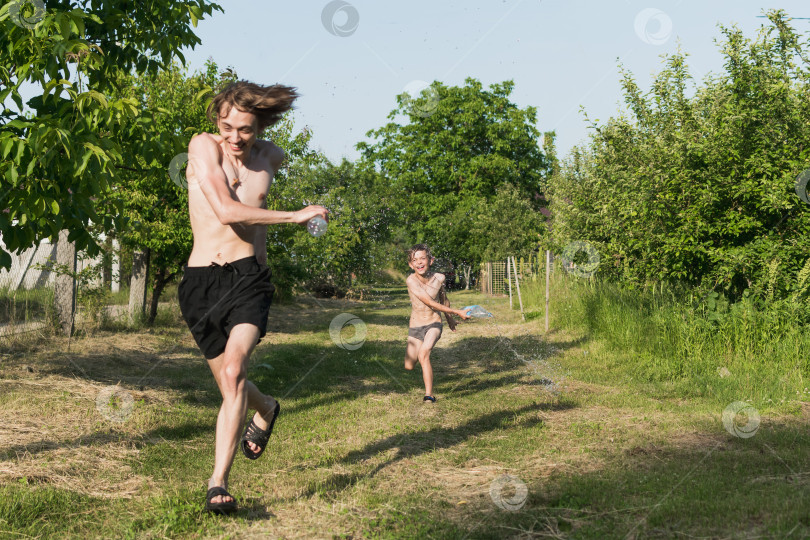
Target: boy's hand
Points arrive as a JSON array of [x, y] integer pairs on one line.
[[463, 314]]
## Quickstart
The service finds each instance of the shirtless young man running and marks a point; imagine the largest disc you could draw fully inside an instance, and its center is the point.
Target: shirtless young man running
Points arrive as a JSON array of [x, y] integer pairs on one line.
[[226, 292], [426, 290]]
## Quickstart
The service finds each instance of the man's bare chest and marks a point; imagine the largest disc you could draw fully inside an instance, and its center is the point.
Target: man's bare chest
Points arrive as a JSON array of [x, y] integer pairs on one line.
[[249, 186]]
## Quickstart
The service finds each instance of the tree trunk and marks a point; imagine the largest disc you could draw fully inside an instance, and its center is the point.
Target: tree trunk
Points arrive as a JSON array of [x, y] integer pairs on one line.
[[106, 268], [65, 285], [137, 285], [159, 284]]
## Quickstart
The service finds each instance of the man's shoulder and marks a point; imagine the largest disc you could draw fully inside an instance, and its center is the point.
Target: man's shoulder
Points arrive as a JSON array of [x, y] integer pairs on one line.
[[270, 151], [206, 143]]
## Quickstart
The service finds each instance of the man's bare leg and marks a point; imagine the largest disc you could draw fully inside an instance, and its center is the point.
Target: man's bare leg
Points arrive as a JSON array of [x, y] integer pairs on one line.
[[230, 373]]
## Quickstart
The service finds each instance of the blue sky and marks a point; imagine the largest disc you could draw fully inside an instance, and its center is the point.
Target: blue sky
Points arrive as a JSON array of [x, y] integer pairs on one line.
[[350, 59]]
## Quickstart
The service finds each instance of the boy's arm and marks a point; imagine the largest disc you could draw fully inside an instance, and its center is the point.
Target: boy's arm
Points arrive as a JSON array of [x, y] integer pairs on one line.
[[446, 302], [432, 304]]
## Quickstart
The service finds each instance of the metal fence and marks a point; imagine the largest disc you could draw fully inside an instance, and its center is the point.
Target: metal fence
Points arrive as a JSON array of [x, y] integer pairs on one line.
[[27, 289], [493, 277]]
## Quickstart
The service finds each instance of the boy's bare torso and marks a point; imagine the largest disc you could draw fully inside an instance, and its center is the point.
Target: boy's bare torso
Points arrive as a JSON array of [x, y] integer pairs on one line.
[[213, 241], [422, 314]]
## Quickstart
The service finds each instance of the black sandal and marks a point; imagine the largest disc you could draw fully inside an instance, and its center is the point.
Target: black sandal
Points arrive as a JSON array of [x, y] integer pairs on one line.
[[258, 436], [429, 398], [222, 508]]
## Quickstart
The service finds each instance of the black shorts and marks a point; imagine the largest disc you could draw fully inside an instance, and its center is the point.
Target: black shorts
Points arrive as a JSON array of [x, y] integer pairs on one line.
[[419, 332], [214, 299]]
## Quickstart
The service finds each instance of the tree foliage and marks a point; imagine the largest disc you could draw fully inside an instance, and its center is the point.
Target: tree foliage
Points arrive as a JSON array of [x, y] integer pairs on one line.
[[61, 153], [696, 183], [359, 218], [448, 160], [151, 188], [510, 224]]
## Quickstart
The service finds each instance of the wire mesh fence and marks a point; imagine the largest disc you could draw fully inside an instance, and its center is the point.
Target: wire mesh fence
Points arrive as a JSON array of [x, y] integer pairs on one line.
[[493, 277], [27, 291]]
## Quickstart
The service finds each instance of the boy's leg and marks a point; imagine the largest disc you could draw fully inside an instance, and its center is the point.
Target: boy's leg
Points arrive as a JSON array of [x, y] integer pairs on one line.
[[412, 352], [230, 372], [431, 337]]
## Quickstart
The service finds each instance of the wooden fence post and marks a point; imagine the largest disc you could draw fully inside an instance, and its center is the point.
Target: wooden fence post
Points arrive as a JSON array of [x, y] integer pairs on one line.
[[548, 274], [517, 285], [509, 281]]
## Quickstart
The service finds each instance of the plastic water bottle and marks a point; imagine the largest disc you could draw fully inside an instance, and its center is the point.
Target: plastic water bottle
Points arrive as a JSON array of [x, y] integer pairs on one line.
[[476, 311], [316, 226]]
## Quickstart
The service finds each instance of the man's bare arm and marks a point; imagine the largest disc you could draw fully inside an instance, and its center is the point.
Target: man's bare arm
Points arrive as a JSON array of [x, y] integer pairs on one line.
[[204, 161]]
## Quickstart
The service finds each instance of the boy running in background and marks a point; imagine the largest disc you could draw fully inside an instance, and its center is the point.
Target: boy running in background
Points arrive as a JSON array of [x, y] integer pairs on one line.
[[426, 290]]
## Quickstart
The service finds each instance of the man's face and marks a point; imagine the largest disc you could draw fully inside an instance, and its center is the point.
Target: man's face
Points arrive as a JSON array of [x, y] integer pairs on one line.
[[240, 130], [420, 263]]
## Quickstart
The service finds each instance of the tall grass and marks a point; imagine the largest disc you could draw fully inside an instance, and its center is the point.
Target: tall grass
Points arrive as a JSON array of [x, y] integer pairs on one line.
[[679, 342], [23, 305]]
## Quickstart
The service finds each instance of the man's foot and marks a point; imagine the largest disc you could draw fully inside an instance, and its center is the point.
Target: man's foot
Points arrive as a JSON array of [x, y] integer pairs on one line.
[[429, 398], [219, 501], [257, 433]]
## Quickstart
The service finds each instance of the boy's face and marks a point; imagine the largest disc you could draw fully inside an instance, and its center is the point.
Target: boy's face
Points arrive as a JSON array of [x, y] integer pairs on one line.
[[420, 262]]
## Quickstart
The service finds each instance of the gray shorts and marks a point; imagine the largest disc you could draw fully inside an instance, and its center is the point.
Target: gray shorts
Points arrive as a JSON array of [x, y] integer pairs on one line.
[[420, 331]]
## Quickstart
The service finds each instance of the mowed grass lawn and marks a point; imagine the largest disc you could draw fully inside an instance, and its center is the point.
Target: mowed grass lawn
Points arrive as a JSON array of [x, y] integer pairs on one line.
[[531, 437]]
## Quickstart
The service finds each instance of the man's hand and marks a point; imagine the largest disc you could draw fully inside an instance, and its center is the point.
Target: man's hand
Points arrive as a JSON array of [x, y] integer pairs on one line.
[[311, 211]]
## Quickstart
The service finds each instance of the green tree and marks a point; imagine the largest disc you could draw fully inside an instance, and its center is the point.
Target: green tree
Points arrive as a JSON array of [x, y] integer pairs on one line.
[[152, 189], [447, 161], [61, 153], [360, 212], [510, 224], [697, 185]]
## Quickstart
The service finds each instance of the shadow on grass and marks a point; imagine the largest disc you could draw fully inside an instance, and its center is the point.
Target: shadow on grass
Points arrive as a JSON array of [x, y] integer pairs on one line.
[[317, 319], [319, 376], [709, 485], [307, 372], [715, 486], [185, 431], [409, 445], [469, 366], [314, 374]]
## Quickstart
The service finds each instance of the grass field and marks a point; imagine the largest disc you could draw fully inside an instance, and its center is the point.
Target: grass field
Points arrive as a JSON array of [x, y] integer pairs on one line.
[[533, 436]]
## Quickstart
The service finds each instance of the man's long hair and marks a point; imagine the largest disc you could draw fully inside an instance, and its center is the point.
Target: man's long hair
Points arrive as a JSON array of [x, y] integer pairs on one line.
[[268, 103]]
